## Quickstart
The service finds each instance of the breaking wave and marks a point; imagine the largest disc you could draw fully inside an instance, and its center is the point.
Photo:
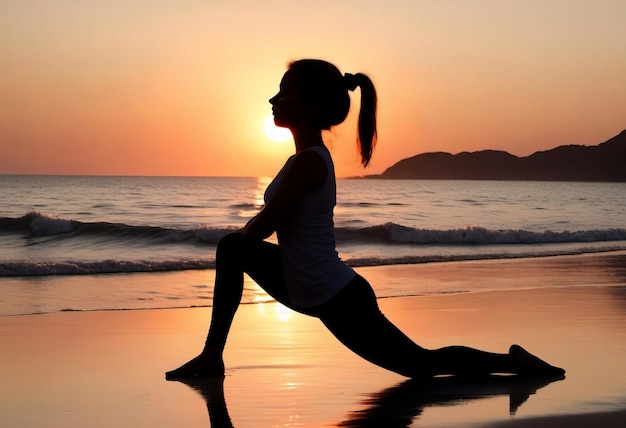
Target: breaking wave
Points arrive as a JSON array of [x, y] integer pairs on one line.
[[35, 225]]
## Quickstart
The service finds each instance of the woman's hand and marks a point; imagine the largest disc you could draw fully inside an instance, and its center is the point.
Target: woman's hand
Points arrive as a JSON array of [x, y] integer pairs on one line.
[[253, 231]]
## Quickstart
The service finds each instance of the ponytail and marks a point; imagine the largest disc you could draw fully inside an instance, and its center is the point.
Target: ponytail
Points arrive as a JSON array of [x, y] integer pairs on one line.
[[367, 135], [323, 83]]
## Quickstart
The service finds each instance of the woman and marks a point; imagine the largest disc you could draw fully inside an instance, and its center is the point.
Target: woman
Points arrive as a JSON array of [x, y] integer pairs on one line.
[[304, 271]]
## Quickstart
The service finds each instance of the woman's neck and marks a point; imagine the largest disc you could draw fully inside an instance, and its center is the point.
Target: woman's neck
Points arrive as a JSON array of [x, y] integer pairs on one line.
[[307, 138]]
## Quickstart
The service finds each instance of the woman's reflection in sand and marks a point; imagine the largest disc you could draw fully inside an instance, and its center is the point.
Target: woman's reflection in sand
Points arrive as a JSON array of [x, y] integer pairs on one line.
[[212, 390], [399, 405]]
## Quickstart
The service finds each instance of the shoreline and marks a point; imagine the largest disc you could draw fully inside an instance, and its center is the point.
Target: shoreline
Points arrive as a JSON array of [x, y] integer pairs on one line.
[[193, 288]]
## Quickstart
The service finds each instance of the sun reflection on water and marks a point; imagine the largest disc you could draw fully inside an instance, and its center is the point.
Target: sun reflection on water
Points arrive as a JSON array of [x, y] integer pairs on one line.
[[259, 193]]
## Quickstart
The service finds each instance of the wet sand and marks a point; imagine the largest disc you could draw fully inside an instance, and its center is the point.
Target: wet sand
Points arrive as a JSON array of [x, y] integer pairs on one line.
[[106, 368]]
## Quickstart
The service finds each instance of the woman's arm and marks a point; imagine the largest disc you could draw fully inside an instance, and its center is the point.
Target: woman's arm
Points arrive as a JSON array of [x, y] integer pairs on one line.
[[306, 173]]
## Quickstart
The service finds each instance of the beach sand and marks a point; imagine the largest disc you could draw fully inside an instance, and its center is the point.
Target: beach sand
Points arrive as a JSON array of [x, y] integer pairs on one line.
[[106, 368]]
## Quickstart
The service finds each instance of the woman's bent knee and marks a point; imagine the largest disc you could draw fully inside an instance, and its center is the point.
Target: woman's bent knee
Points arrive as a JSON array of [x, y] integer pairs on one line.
[[230, 242]]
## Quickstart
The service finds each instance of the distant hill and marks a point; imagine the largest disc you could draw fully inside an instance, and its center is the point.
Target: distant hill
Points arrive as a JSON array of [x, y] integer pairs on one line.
[[604, 162]]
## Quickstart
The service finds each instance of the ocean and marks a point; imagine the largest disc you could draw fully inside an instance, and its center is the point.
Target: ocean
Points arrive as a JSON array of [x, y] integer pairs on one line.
[[109, 232]]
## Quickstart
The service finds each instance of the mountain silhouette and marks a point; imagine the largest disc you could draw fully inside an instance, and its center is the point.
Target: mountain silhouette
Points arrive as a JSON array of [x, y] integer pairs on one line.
[[604, 162]]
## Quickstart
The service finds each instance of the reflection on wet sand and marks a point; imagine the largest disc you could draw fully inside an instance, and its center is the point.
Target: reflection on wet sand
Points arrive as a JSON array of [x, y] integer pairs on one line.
[[212, 390], [399, 405]]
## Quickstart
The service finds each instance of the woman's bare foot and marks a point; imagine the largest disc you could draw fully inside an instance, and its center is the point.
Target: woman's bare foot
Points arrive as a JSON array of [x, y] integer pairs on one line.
[[526, 364], [204, 365]]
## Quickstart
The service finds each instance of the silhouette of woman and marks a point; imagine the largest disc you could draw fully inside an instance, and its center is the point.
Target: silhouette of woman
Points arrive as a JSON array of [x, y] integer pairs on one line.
[[303, 271]]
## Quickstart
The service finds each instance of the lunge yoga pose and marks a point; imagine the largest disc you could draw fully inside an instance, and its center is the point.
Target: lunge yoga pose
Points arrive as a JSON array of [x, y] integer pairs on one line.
[[304, 271]]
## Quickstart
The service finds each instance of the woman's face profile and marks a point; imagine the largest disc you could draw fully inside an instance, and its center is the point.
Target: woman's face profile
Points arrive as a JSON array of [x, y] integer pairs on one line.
[[290, 110]]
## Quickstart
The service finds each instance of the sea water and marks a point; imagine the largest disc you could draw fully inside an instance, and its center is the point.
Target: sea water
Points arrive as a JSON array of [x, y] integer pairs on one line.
[[60, 226]]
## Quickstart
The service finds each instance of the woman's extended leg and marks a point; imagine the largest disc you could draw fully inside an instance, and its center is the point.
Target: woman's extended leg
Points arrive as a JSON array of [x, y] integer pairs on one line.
[[234, 256], [354, 318]]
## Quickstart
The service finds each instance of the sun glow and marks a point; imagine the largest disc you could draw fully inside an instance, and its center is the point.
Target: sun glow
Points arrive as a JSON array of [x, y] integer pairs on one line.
[[273, 132]]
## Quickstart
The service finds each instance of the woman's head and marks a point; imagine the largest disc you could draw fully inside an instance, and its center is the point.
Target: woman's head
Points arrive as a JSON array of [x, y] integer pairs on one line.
[[322, 88]]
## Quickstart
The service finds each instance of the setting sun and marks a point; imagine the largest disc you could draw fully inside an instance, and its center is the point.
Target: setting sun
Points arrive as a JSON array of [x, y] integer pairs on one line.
[[274, 132]]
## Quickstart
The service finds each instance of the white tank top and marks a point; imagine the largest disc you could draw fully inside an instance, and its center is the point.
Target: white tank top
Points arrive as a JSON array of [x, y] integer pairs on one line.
[[312, 268]]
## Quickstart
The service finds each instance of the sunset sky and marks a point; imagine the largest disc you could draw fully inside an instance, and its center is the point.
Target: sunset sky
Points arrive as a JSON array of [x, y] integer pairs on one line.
[[155, 87]]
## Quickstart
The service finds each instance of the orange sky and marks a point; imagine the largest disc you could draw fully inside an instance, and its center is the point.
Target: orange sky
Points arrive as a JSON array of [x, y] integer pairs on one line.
[[154, 87]]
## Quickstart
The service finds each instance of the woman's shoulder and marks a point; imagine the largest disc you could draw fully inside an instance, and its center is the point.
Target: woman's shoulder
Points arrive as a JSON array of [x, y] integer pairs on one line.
[[308, 161], [310, 165], [316, 155]]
